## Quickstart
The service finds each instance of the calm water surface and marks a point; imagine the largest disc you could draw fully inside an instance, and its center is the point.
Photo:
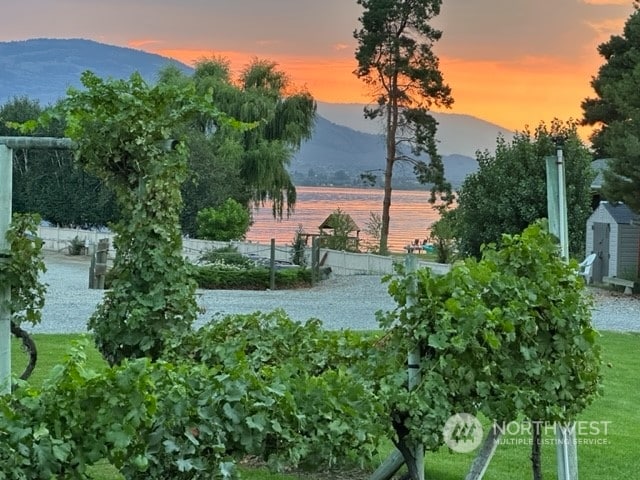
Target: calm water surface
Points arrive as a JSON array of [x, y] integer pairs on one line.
[[411, 214]]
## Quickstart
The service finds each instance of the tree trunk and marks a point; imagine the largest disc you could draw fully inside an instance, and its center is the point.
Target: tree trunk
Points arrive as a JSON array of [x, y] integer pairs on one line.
[[535, 452], [30, 347], [391, 129], [386, 209], [407, 452], [405, 446]]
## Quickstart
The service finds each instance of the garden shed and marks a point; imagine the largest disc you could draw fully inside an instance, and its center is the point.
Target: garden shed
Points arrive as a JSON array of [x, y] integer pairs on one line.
[[613, 234]]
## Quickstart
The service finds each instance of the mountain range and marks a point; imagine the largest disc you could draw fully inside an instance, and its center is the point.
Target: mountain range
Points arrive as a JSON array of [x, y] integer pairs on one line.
[[343, 144], [337, 155]]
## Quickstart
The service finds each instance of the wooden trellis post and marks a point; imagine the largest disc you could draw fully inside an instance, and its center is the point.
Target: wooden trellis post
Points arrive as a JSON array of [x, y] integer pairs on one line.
[[98, 268], [7, 145]]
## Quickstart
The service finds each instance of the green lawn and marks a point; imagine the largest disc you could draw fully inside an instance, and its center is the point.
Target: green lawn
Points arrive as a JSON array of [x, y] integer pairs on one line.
[[614, 455]]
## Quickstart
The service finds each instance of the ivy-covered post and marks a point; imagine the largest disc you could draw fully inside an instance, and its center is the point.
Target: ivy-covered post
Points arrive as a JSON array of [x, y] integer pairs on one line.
[[414, 357], [5, 249], [123, 130]]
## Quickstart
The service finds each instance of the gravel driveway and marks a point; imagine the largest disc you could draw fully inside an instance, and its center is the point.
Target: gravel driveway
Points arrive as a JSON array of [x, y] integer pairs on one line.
[[340, 302]]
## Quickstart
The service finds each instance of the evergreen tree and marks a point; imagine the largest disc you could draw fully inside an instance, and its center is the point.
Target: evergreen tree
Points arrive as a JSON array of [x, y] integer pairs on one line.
[[616, 112], [396, 60]]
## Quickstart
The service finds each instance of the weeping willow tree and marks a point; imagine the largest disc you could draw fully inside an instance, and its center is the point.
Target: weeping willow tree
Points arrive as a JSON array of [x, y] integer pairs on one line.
[[285, 122], [248, 166]]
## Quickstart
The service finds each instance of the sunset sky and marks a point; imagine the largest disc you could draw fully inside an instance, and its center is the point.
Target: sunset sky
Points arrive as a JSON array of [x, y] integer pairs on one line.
[[511, 62]]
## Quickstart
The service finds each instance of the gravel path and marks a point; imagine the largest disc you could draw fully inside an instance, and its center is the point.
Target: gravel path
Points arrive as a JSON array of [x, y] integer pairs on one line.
[[340, 302]]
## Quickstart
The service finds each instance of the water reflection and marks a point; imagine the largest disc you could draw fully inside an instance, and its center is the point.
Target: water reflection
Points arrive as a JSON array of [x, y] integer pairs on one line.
[[411, 214]]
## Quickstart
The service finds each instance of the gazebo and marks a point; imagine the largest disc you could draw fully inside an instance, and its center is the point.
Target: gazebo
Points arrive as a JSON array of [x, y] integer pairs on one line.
[[338, 232]]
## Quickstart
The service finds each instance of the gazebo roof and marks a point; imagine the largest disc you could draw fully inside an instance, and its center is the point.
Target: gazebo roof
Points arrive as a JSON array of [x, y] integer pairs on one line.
[[332, 220]]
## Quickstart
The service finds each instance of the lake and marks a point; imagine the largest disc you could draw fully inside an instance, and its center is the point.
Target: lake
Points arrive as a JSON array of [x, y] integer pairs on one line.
[[411, 214]]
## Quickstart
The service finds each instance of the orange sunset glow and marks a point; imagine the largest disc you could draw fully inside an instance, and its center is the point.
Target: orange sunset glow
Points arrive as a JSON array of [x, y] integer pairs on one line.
[[328, 79], [515, 93], [510, 95], [512, 63]]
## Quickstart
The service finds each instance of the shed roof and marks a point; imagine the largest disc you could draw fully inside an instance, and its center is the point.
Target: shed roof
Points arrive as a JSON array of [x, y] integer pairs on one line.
[[621, 213]]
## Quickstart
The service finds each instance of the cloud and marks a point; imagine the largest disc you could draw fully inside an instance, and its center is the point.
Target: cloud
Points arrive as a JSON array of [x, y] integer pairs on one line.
[[268, 43], [523, 91], [143, 43], [503, 30], [513, 62], [607, 27], [606, 2]]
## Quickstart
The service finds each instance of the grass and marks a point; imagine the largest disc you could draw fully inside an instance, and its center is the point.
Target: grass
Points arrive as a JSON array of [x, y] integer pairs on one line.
[[615, 456]]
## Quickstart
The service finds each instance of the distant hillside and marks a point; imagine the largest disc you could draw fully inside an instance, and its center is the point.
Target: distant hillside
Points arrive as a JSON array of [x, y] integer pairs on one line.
[[45, 68], [338, 155], [337, 147], [457, 134]]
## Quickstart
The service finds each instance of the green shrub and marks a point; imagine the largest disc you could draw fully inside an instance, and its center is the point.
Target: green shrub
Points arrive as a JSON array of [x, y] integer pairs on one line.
[[318, 408], [273, 339], [230, 221], [77, 246], [220, 277], [193, 419], [507, 336], [227, 255]]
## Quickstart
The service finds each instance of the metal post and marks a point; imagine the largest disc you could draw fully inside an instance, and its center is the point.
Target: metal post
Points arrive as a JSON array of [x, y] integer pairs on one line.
[[566, 445], [6, 167], [37, 142], [562, 204], [487, 449], [272, 265], [394, 462], [414, 358], [553, 207], [567, 452], [389, 467]]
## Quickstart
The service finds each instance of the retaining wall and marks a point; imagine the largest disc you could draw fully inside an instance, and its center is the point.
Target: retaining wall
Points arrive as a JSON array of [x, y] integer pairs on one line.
[[341, 263]]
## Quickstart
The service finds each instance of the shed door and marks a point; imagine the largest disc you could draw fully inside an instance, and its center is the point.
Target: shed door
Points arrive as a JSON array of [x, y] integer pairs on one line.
[[601, 249]]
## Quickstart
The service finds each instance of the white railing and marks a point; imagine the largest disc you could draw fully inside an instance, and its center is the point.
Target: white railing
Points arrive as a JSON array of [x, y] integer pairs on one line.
[[341, 263]]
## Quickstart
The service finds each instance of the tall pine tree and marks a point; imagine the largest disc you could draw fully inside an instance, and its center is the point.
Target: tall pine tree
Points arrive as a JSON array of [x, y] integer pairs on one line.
[[615, 111], [396, 60]]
